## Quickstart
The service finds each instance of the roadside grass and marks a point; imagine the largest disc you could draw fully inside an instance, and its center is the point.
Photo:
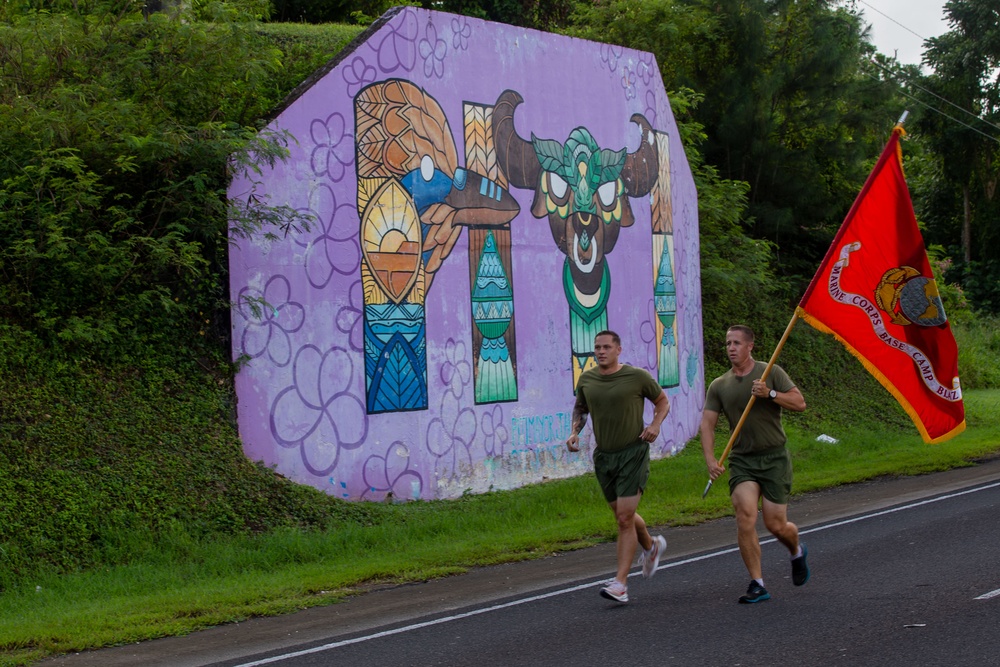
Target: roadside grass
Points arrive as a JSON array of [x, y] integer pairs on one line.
[[176, 584]]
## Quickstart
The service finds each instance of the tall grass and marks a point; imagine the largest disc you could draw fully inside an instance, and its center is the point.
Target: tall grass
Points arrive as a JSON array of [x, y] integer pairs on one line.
[[978, 341], [176, 583]]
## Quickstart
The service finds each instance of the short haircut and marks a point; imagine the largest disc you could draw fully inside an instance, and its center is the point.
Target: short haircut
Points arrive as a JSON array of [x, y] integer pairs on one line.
[[743, 329], [608, 332]]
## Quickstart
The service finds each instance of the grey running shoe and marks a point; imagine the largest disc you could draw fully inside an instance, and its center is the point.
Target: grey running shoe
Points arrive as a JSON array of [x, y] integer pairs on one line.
[[755, 593]]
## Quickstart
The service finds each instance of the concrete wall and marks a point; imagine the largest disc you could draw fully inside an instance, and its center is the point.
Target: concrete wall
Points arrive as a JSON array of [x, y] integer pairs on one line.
[[485, 199]]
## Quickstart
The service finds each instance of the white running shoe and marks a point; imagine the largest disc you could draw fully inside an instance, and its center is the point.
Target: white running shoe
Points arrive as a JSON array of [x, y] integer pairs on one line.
[[650, 560], [616, 591]]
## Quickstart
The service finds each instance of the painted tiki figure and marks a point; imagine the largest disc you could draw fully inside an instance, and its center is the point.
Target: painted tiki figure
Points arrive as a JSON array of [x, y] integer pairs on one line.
[[584, 192]]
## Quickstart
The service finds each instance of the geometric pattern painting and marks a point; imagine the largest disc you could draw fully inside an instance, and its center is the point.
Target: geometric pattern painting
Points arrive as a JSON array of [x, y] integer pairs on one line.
[[395, 347], [492, 313], [664, 285], [483, 200], [491, 268]]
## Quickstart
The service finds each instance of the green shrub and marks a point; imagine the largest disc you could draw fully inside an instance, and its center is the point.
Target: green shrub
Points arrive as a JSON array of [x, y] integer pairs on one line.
[[978, 351], [94, 457], [120, 139]]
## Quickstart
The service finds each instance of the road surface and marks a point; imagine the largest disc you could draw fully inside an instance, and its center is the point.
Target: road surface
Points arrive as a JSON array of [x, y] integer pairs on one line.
[[905, 572]]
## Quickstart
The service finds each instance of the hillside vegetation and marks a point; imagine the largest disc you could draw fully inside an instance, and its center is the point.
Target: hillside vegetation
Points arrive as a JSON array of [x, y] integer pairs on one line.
[[97, 460], [116, 400]]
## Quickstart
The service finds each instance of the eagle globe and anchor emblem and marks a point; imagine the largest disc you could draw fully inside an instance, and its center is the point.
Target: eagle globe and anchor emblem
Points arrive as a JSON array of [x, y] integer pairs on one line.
[[908, 297]]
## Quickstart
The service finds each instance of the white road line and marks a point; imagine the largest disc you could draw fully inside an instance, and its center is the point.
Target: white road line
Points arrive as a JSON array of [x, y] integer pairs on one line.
[[901, 508], [580, 587], [987, 596]]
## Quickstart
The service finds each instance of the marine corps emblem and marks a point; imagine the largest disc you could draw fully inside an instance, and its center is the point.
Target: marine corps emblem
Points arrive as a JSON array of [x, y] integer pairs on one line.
[[910, 298]]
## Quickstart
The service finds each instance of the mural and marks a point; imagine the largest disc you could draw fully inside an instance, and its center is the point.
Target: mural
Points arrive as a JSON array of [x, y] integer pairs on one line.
[[387, 360]]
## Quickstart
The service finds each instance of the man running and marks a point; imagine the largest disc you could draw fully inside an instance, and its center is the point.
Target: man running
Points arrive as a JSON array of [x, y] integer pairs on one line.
[[614, 394], [760, 469]]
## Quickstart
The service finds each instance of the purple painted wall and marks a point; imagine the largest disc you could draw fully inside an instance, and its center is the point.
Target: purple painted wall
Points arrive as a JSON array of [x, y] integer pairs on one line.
[[485, 198]]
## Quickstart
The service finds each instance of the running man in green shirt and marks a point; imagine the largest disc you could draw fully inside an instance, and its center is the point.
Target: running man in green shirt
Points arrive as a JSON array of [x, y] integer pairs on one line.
[[614, 394], [760, 469]]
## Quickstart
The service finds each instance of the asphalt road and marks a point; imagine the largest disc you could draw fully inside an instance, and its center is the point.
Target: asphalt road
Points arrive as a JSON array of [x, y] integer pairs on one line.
[[905, 572]]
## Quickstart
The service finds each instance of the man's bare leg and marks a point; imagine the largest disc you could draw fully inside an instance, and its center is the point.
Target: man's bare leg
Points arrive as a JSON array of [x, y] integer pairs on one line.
[[777, 523], [632, 533], [745, 497]]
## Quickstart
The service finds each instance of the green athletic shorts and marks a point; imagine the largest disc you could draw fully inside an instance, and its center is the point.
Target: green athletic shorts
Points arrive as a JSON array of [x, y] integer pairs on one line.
[[624, 473], [771, 469]]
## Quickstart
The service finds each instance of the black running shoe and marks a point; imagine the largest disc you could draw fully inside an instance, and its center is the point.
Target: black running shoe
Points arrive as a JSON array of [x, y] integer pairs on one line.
[[755, 593], [800, 570]]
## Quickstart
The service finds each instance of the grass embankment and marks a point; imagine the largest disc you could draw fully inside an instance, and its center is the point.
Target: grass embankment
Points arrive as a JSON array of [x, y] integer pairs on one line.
[[176, 583]]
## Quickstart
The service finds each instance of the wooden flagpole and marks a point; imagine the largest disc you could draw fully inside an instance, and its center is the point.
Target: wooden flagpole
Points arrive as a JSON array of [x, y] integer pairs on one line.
[[746, 410]]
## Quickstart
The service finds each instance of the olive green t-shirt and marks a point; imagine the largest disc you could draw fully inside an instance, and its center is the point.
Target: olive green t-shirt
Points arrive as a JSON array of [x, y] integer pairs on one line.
[[615, 403], [729, 394]]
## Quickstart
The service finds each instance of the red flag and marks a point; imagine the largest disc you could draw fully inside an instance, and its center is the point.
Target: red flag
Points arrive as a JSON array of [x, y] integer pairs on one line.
[[876, 293]]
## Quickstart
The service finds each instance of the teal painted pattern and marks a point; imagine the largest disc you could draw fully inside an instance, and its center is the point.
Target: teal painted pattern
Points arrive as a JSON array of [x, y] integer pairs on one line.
[[492, 311]]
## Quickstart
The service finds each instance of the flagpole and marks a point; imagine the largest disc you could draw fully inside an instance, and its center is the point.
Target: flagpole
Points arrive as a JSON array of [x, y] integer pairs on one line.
[[746, 410]]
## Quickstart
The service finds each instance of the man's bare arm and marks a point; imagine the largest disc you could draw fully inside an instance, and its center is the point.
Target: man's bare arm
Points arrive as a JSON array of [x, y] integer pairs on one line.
[[580, 412], [709, 420], [661, 406]]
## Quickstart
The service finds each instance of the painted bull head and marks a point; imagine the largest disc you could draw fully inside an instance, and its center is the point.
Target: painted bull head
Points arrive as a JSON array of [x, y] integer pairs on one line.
[[583, 190]]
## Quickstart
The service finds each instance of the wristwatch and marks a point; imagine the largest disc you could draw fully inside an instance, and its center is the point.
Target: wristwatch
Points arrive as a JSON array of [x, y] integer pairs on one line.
[[772, 394]]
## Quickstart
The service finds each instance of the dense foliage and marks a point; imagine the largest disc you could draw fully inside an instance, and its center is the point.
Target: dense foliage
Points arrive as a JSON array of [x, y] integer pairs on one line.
[[963, 204], [120, 136], [541, 14]]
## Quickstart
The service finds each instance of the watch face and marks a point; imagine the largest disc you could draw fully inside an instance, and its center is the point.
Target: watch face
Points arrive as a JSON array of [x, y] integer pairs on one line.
[[772, 394]]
